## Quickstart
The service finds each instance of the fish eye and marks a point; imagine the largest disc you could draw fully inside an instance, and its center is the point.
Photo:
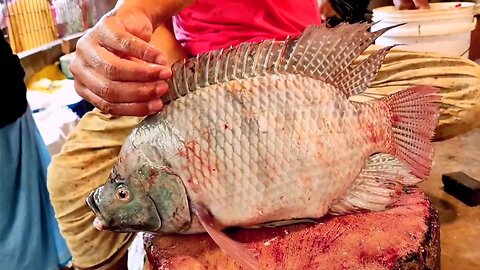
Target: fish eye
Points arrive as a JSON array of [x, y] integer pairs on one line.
[[122, 193]]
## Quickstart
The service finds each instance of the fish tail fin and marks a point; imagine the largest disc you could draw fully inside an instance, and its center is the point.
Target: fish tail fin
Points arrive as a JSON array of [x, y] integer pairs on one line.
[[414, 114]]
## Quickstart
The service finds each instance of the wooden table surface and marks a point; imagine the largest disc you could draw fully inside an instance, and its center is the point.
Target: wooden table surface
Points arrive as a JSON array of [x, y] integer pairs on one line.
[[459, 223]]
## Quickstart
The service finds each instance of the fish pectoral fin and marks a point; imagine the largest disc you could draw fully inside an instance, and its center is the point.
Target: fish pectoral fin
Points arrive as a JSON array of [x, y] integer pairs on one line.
[[377, 186], [243, 256]]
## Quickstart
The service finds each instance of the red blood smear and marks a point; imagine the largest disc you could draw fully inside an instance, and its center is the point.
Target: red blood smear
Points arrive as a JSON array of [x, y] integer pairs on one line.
[[371, 240]]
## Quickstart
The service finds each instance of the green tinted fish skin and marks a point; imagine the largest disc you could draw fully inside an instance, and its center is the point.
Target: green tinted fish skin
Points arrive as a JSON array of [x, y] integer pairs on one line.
[[121, 204], [141, 191]]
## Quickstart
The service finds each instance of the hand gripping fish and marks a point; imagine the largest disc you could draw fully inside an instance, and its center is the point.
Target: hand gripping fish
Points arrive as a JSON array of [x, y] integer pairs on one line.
[[265, 133]]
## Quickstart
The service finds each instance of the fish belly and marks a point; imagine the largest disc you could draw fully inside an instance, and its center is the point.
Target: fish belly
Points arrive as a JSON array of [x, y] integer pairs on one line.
[[265, 149]]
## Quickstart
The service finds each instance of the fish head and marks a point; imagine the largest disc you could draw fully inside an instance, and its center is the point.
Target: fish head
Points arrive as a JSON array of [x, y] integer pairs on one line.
[[141, 194], [123, 205]]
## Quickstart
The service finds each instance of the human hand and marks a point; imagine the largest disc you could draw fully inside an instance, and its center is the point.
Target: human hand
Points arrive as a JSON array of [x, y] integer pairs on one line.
[[116, 69], [411, 4]]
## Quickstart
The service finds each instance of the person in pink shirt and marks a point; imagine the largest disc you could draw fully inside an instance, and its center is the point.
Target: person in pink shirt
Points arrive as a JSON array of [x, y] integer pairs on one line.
[[199, 26], [120, 67]]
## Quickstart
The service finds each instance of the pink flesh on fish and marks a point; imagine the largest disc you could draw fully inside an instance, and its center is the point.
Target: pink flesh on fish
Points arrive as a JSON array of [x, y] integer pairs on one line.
[[266, 132], [99, 224]]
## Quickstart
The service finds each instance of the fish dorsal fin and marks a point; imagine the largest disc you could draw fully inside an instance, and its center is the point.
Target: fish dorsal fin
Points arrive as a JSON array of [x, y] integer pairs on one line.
[[328, 54], [243, 61], [320, 52], [355, 80]]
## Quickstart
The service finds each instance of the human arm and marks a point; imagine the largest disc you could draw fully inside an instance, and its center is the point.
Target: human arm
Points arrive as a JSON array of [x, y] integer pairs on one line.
[[355, 10], [157, 11], [411, 4], [164, 39], [116, 67]]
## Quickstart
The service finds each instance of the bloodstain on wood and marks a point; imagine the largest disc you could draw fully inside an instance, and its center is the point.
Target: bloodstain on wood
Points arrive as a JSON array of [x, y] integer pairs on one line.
[[403, 237]]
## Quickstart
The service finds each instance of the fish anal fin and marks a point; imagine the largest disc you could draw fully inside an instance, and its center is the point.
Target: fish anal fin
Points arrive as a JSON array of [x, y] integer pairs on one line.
[[377, 186], [242, 255]]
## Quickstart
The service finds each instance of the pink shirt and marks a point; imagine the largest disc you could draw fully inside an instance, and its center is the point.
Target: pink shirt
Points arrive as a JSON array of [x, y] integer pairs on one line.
[[214, 24]]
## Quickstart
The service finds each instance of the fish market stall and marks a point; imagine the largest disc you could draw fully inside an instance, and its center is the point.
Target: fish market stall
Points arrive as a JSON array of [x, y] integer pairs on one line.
[[404, 237], [362, 148], [314, 152]]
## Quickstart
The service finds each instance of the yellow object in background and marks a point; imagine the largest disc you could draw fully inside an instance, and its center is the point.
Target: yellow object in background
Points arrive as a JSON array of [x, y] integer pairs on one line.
[[48, 79], [30, 24]]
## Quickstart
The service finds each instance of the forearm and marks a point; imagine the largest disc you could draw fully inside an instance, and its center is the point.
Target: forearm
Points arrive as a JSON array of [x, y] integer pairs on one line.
[[157, 10], [164, 39]]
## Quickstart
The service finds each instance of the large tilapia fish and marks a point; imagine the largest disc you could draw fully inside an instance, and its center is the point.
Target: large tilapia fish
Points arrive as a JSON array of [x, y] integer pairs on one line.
[[265, 133]]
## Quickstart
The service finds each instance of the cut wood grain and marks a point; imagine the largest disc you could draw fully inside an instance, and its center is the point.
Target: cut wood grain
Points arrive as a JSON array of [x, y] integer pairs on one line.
[[403, 237]]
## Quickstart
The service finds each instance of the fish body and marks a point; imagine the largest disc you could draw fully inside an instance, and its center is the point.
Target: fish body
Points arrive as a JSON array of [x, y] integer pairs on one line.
[[264, 133], [265, 149]]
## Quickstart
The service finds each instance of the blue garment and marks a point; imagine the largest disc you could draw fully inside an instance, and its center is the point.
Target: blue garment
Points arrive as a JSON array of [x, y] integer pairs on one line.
[[29, 235]]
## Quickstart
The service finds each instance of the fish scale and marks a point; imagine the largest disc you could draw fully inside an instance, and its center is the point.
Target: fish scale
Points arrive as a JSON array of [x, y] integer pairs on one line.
[[244, 194], [264, 134]]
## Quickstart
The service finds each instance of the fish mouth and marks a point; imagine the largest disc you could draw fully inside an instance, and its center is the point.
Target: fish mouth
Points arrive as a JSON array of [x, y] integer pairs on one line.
[[90, 200], [99, 222]]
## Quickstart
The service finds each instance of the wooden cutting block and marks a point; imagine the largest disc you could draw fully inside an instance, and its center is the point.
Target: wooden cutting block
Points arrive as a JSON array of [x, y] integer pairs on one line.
[[406, 236]]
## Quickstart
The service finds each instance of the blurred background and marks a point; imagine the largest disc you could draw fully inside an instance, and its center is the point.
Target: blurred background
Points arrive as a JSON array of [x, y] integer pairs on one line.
[[43, 33], [29, 24]]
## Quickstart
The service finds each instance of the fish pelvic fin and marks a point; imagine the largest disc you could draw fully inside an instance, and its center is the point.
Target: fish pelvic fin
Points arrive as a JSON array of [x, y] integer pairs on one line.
[[319, 52], [243, 256], [413, 116], [377, 186]]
